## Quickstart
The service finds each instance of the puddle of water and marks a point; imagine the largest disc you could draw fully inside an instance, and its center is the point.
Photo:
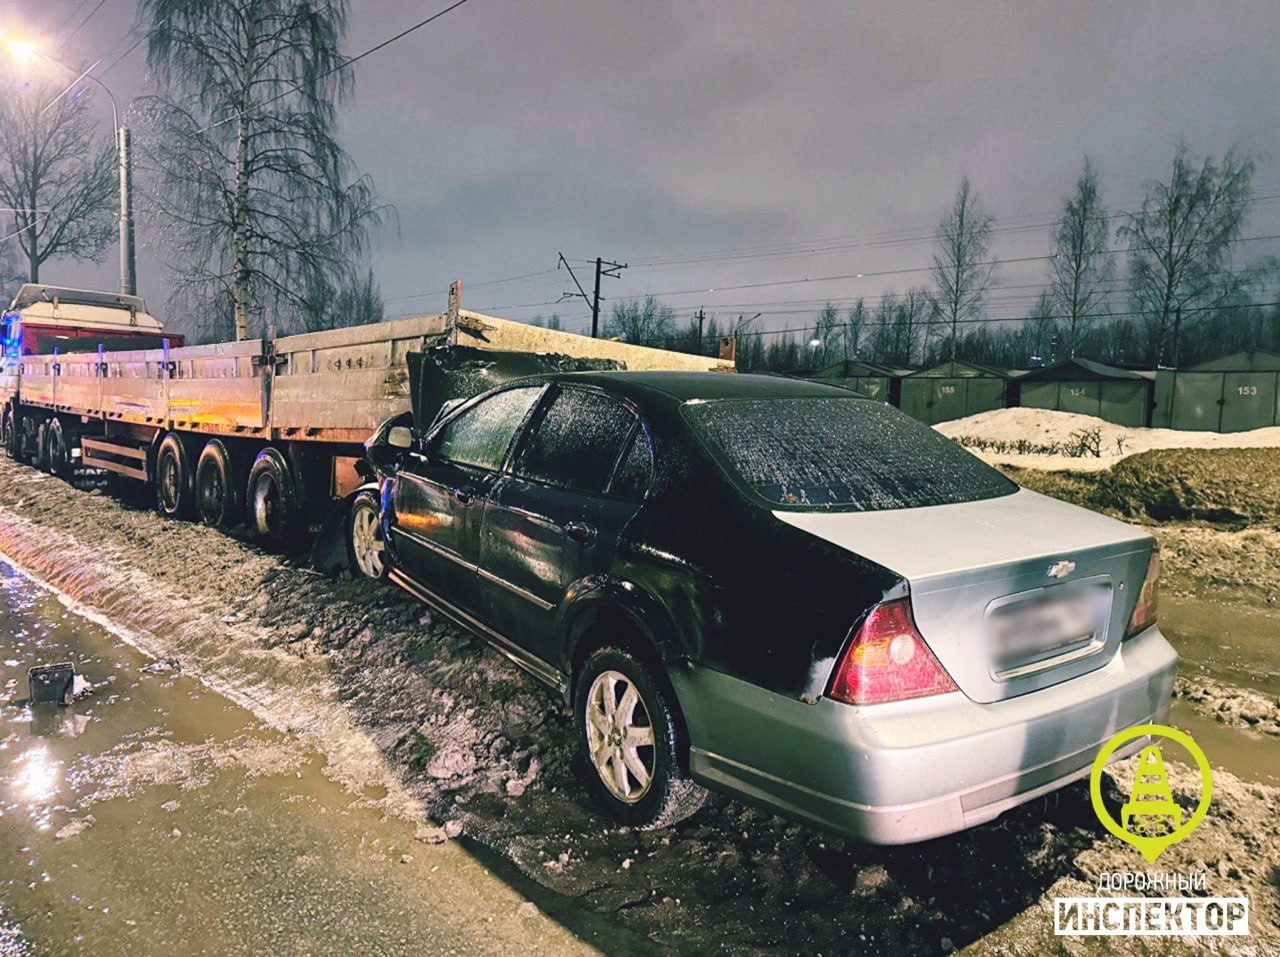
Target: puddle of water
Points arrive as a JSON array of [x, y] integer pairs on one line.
[[211, 832], [1240, 646], [1250, 757]]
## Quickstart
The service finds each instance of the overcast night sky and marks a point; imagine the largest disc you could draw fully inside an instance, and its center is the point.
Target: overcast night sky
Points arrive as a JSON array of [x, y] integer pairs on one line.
[[511, 129]]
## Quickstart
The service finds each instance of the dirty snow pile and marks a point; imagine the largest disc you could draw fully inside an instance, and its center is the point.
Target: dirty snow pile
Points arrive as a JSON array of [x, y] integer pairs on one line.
[[1027, 437]]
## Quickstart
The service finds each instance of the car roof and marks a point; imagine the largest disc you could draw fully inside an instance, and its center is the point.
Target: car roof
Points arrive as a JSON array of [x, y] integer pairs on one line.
[[680, 387]]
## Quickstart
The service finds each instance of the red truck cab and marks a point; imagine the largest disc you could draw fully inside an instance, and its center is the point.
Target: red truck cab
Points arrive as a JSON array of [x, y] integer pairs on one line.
[[47, 319]]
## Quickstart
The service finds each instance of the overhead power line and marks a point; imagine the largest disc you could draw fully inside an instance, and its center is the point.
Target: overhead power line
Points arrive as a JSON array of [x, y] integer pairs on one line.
[[870, 274], [98, 6], [988, 321], [349, 62], [819, 247], [473, 285]]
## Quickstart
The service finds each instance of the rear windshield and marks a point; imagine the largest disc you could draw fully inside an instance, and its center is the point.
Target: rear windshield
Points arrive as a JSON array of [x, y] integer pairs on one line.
[[839, 454]]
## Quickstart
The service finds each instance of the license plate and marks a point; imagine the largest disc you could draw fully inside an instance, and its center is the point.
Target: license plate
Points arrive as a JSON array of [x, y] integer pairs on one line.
[[1054, 621]]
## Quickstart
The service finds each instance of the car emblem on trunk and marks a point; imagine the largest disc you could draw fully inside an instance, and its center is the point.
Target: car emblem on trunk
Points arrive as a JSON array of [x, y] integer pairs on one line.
[[1061, 569]]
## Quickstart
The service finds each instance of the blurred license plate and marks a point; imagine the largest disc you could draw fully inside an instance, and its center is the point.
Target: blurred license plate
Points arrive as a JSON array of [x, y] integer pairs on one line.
[[1052, 622]]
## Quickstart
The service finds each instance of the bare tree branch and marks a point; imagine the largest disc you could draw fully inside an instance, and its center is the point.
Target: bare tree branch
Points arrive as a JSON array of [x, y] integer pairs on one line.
[[260, 205], [56, 176], [961, 273], [1180, 244]]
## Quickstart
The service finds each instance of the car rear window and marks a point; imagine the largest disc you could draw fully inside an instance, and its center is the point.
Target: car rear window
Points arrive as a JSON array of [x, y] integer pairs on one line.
[[842, 454]]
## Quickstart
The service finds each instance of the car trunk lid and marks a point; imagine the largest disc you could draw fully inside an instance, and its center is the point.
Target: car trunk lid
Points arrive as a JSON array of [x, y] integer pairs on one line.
[[1013, 593]]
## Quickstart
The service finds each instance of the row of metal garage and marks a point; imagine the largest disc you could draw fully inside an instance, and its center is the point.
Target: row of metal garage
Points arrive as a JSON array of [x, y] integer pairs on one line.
[[1232, 394]]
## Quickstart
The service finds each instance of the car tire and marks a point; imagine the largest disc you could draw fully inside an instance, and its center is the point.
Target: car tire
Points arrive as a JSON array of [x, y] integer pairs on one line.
[[271, 500], [365, 548], [630, 737], [219, 488], [175, 489]]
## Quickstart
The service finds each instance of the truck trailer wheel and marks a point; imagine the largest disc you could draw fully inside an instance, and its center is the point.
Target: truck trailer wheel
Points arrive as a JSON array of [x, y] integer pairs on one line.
[[175, 488], [271, 498], [57, 453], [41, 460], [8, 434], [219, 488]]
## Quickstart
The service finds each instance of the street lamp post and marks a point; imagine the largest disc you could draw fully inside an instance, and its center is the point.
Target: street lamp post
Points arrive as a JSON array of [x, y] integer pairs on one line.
[[128, 261]]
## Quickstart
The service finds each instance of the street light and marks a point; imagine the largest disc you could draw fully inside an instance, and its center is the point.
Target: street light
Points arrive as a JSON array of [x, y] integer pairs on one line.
[[23, 50]]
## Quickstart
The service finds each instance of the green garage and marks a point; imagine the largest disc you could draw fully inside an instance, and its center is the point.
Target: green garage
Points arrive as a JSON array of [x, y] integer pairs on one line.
[[953, 390], [1122, 396], [1232, 394], [870, 378]]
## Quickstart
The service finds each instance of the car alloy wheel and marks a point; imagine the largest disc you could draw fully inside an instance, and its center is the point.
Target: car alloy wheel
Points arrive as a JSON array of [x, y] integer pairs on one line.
[[367, 548], [620, 736]]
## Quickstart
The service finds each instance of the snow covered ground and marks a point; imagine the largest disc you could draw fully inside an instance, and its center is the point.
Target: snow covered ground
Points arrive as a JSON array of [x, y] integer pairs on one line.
[[420, 721], [1002, 433]]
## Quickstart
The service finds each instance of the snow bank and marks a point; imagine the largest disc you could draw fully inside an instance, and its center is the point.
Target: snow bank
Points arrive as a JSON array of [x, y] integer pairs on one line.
[[1045, 428]]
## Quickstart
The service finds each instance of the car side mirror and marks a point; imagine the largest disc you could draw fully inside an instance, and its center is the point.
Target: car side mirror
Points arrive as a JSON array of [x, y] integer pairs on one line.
[[388, 455]]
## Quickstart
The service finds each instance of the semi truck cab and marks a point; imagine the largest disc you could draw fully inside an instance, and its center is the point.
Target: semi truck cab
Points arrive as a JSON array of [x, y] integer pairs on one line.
[[46, 319]]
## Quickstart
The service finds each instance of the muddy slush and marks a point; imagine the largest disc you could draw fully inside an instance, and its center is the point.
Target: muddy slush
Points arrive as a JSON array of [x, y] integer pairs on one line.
[[153, 816]]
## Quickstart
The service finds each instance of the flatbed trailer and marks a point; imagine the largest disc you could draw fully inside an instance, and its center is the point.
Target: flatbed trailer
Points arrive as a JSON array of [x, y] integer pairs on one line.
[[265, 430]]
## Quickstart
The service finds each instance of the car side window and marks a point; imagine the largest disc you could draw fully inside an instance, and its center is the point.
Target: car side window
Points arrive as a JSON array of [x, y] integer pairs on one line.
[[480, 436], [576, 441], [631, 477]]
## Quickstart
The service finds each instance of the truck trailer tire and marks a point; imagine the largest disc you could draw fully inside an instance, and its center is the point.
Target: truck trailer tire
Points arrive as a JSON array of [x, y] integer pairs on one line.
[[219, 486], [175, 485], [10, 436], [57, 453], [41, 460], [271, 498]]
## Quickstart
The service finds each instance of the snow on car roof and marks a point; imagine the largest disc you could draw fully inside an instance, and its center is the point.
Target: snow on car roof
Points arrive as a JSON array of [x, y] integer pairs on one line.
[[688, 386]]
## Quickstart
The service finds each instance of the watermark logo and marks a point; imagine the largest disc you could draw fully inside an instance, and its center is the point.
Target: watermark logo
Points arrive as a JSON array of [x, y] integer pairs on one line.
[[1150, 820]]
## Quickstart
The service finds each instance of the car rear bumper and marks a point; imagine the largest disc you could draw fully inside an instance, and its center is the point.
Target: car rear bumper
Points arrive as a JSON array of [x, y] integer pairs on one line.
[[913, 770]]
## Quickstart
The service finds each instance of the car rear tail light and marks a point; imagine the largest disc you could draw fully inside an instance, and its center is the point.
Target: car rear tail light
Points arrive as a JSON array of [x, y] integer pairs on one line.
[[1144, 613], [887, 660]]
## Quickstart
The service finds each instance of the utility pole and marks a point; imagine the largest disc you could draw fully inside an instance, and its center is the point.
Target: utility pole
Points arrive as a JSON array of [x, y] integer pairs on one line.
[[595, 303], [1177, 330], [128, 261], [700, 316], [604, 267], [614, 271]]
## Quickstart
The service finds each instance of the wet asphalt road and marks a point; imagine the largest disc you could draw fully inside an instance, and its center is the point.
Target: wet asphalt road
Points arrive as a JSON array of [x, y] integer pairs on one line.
[[155, 817]]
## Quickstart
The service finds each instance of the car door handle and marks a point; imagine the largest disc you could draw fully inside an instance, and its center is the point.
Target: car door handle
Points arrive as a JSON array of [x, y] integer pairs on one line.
[[463, 496], [582, 533]]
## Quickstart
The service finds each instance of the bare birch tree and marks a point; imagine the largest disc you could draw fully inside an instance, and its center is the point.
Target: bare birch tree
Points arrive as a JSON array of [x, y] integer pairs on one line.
[[644, 322], [57, 177], [1083, 265], [1180, 244], [258, 202], [961, 271], [854, 326]]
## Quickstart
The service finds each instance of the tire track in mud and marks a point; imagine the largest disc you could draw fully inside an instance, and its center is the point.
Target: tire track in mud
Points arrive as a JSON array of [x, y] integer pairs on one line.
[[425, 720]]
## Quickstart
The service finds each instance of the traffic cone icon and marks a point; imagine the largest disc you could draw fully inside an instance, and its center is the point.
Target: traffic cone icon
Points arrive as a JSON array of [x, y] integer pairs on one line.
[[1151, 801]]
